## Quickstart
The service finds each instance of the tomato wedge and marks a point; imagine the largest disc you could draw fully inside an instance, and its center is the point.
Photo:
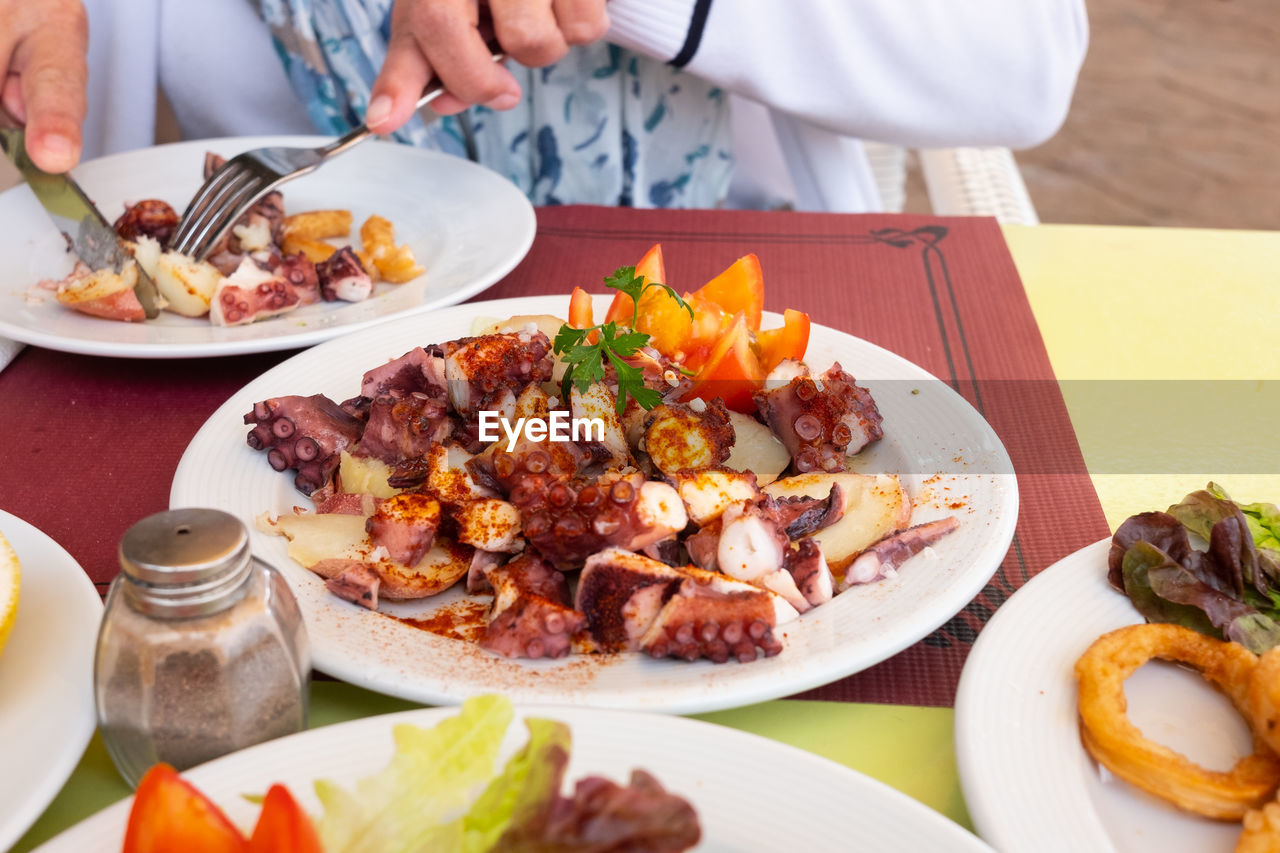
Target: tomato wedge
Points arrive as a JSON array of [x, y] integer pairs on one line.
[[654, 272], [169, 814], [789, 341], [732, 370], [580, 309], [739, 288], [283, 827]]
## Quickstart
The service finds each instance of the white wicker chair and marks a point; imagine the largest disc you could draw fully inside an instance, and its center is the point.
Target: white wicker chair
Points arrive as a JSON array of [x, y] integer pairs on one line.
[[959, 181]]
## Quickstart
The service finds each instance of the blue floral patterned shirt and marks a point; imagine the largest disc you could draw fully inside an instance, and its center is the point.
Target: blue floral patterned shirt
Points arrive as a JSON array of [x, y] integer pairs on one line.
[[602, 126]]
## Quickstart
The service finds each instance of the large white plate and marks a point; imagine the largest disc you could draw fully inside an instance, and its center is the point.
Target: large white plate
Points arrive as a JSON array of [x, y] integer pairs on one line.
[[467, 225], [926, 432], [46, 678], [810, 803], [1028, 782]]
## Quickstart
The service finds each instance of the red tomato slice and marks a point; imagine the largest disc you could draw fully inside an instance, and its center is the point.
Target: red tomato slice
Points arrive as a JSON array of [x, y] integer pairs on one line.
[[580, 309], [654, 272], [707, 330], [732, 371], [789, 341], [739, 288], [283, 827], [169, 814]]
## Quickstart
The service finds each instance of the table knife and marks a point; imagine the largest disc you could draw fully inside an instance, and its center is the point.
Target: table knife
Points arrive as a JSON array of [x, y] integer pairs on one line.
[[87, 231]]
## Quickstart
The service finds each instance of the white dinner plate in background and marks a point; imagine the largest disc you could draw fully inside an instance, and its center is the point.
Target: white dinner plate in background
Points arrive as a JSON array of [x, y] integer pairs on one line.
[[46, 678], [467, 225]]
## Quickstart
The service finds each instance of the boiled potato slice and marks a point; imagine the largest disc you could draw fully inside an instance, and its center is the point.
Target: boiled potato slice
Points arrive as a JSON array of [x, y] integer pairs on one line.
[[364, 474], [756, 449], [875, 506], [331, 536], [708, 492], [545, 323], [187, 285]]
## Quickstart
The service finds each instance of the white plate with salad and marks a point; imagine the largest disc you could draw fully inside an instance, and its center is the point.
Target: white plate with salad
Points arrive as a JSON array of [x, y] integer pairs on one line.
[[947, 457], [748, 793], [1028, 782], [466, 225]]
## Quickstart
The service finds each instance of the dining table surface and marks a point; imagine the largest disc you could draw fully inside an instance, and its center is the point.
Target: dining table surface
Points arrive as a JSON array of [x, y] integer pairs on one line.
[[1133, 321]]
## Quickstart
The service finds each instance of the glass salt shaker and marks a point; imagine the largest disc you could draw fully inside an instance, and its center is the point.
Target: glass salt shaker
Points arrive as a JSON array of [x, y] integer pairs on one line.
[[202, 649]]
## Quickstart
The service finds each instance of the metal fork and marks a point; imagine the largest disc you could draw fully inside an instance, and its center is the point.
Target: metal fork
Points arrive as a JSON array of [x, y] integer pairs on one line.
[[238, 184]]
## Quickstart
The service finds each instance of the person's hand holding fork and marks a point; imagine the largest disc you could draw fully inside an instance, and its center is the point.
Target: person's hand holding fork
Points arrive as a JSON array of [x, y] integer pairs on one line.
[[447, 39]]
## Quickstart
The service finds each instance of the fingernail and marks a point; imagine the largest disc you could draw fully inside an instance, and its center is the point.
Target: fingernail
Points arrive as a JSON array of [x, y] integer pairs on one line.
[[57, 145], [379, 109], [505, 101]]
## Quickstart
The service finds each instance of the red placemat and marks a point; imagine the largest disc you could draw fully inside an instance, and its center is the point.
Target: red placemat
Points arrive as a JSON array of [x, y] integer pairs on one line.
[[90, 444]]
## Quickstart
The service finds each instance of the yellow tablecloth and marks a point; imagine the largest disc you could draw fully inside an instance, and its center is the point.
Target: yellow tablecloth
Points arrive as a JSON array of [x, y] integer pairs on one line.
[[1123, 311]]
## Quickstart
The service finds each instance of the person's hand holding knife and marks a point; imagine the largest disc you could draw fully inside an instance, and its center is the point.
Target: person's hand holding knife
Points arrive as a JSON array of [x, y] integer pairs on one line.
[[43, 49]]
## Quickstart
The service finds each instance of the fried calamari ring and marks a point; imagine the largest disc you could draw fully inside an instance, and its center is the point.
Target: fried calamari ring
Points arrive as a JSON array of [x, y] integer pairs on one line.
[[1119, 746], [1264, 699], [1261, 830]]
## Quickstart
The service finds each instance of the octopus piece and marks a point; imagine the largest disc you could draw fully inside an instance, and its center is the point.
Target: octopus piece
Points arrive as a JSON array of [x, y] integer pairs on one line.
[[683, 437], [885, 557], [531, 616], [658, 373], [345, 503], [405, 526], [808, 567], [717, 618], [104, 293], [488, 524], [447, 477], [708, 492], [501, 469], [300, 272], [148, 218], [753, 547], [303, 433], [621, 594], [416, 370], [404, 428], [702, 547], [250, 294], [357, 582], [482, 562], [343, 277], [598, 405], [820, 420], [633, 603], [801, 515], [258, 228], [569, 520], [481, 370]]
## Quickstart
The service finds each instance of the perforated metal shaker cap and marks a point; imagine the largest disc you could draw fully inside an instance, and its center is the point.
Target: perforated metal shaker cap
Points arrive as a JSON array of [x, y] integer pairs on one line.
[[192, 546]]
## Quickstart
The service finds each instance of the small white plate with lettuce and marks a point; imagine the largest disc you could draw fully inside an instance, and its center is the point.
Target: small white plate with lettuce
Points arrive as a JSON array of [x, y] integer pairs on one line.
[[447, 779]]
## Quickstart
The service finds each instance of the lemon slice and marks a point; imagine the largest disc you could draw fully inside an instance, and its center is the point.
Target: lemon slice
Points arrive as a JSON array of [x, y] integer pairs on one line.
[[10, 578]]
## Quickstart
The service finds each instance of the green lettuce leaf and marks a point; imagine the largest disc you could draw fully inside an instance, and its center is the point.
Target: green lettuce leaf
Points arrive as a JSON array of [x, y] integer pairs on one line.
[[523, 795], [414, 803]]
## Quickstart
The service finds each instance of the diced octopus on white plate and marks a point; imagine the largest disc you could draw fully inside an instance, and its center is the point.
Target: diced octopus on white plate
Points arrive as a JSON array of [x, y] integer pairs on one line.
[[678, 532]]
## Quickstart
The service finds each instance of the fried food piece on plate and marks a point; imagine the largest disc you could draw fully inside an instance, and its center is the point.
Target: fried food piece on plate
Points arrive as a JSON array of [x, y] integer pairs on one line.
[[318, 224], [1261, 830], [1118, 745], [395, 264], [1264, 699]]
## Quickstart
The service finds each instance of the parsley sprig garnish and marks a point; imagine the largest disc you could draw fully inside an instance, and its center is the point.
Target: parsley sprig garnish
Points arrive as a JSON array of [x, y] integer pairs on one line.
[[585, 354]]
